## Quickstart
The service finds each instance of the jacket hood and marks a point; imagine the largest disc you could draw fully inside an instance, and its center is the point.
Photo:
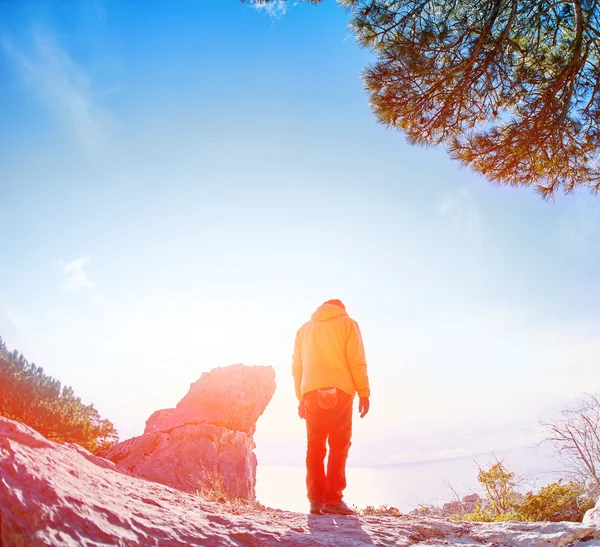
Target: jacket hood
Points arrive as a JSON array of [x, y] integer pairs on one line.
[[327, 311]]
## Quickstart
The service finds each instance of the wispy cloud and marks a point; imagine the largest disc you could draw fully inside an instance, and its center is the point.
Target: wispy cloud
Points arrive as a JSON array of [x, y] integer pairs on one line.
[[461, 210], [580, 226], [99, 8], [63, 85], [77, 277], [275, 8], [15, 317]]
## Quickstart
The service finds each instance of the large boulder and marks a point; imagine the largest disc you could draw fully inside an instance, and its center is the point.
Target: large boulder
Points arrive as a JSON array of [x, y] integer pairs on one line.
[[231, 397], [206, 442], [57, 495]]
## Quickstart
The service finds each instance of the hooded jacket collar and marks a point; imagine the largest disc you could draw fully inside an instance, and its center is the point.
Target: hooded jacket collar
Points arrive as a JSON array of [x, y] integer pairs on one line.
[[327, 311]]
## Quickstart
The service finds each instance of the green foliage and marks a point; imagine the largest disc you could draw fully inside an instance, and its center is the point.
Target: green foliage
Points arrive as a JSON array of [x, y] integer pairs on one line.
[[30, 396], [482, 514], [553, 502], [501, 489], [556, 502], [510, 87]]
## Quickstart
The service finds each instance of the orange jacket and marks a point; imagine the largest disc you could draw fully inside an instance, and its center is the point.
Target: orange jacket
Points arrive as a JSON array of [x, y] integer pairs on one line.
[[329, 352]]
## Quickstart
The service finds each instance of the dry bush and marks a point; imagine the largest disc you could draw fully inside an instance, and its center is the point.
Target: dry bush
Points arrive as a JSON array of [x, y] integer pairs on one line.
[[382, 510], [576, 438], [211, 487]]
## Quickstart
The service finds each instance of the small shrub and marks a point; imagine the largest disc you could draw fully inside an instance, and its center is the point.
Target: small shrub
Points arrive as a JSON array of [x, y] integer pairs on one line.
[[486, 514], [479, 515], [500, 486], [382, 510], [211, 487], [556, 502]]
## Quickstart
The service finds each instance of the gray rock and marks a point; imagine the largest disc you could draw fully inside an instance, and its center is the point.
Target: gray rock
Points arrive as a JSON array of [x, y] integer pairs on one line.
[[592, 518], [453, 508], [471, 498]]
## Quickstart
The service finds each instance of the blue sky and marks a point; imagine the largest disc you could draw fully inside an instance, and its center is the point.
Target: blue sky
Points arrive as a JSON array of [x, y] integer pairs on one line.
[[182, 184]]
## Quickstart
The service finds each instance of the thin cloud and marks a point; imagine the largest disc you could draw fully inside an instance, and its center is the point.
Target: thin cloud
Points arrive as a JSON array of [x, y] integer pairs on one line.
[[15, 317], [580, 226], [99, 9], [460, 209], [60, 83], [77, 277], [275, 8]]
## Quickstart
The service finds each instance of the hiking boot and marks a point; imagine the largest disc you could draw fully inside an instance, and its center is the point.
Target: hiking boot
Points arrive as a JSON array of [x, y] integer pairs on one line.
[[315, 507], [339, 508]]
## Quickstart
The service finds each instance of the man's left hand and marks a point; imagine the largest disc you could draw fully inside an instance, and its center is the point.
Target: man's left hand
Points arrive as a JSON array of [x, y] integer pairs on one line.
[[363, 406]]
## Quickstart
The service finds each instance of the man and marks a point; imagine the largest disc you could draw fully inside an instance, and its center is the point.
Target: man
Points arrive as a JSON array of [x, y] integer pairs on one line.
[[329, 368]]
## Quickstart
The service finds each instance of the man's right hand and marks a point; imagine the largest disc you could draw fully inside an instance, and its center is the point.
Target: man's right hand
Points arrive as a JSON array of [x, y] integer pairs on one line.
[[363, 406]]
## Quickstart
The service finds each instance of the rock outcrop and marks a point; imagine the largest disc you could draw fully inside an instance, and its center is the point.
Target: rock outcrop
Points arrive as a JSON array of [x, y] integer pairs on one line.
[[56, 495], [231, 397], [467, 504], [592, 518], [206, 442]]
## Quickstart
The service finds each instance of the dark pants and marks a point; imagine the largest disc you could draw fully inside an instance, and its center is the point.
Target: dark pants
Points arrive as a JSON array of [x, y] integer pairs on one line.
[[335, 425]]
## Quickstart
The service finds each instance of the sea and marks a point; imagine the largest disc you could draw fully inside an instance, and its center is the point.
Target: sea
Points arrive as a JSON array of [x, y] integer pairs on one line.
[[409, 485]]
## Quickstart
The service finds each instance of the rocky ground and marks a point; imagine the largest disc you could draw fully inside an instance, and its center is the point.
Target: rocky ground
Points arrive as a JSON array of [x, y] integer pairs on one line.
[[54, 494]]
